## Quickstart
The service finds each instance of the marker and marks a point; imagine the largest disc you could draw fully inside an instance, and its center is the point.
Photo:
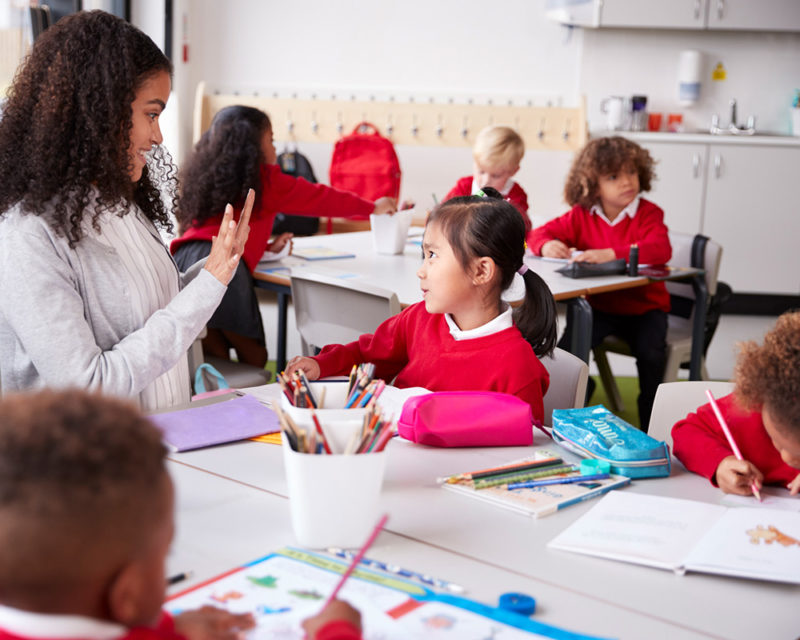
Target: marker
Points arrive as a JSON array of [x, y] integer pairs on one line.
[[179, 577], [569, 480], [729, 436]]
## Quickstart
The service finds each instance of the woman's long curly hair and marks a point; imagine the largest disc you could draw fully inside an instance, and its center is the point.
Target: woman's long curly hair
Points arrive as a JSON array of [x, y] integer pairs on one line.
[[602, 157], [224, 165], [66, 127]]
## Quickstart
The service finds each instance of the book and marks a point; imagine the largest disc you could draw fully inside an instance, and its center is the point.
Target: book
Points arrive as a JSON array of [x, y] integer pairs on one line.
[[286, 587], [215, 421], [686, 535], [542, 500], [320, 253]]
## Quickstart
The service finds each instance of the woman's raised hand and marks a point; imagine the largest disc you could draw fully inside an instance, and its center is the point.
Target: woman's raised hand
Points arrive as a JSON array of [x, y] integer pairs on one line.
[[228, 246]]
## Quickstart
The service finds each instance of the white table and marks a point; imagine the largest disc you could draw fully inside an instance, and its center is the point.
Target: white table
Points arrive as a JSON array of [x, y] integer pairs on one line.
[[398, 273], [491, 550]]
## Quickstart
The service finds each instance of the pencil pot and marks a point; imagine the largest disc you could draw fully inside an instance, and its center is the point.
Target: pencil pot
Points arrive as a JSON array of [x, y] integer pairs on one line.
[[390, 232], [337, 423], [333, 499]]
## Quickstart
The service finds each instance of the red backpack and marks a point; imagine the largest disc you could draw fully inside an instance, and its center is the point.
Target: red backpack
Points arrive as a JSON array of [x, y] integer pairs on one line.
[[365, 163]]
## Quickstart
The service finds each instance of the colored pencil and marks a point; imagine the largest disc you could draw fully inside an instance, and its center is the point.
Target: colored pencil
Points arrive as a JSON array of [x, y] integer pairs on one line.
[[729, 436], [495, 471], [565, 480], [321, 433], [524, 477], [357, 559]]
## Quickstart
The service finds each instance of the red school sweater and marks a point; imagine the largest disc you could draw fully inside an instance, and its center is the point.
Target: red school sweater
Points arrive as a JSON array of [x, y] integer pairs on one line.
[[417, 347], [285, 193], [583, 230], [165, 630], [700, 444], [516, 196]]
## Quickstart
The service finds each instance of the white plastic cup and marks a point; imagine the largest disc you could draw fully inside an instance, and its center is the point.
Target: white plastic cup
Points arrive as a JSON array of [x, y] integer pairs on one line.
[[338, 424], [333, 499], [390, 232]]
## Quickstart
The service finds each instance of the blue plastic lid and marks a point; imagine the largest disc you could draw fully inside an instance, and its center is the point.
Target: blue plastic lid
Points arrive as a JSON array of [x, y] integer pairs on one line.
[[518, 603]]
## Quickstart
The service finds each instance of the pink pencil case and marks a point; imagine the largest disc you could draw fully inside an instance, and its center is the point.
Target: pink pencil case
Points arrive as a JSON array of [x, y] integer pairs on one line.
[[466, 419]]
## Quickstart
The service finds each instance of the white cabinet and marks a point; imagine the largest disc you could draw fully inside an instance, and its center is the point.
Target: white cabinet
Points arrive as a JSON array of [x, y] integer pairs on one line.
[[752, 210], [734, 15], [744, 196]]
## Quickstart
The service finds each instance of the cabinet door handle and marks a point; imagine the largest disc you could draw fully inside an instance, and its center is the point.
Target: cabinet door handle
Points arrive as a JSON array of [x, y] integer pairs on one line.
[[696, 165], [717, 165], [720, 8], [696, 9]]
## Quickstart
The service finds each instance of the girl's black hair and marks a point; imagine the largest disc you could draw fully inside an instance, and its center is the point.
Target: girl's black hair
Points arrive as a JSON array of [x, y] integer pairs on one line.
[[225, 163], [65, 129], [488, 226]]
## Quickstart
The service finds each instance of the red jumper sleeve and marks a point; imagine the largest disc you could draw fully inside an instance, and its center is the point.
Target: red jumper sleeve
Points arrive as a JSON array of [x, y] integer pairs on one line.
[[698, 441], [299, 196], [651, 236], [561, 228]]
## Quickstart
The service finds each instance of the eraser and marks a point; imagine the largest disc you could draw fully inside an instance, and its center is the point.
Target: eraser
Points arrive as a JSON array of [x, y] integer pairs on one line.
[[590, 466]]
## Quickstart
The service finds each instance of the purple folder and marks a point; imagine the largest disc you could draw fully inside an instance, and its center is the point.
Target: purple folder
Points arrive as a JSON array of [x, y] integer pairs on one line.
[[227, 421]]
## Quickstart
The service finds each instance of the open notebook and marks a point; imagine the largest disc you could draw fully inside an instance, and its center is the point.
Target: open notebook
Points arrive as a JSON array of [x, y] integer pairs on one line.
[[684, 535]]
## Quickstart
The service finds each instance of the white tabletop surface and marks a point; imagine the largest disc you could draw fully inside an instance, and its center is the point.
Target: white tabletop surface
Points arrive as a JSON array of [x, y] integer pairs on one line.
[[398, 272], [485, 548]]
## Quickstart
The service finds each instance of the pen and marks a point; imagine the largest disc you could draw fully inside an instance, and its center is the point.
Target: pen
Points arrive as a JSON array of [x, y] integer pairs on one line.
[[570, 479], [179, 577], [729, 436], [357, 559]]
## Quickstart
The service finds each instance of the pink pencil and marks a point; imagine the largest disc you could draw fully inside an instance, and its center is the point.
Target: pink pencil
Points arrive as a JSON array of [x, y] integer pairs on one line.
[[729, 436], [358, 558]]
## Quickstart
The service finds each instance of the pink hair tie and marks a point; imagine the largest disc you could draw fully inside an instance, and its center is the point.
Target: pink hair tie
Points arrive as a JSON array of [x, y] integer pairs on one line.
[[523, 269]]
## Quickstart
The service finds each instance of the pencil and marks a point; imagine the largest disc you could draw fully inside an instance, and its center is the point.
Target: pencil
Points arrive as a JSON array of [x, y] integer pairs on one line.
[[564, 480], [485, 473], [729, 436], [357, 559], [524, 477], [321, 433]]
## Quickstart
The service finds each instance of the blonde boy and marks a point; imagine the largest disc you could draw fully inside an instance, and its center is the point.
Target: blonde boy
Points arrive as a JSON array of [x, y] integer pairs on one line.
[[497, 154]]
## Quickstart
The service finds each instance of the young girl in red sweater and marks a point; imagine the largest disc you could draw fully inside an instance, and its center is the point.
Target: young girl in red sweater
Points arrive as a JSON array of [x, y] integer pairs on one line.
[[609, 215], [464, 336], [236, 153], [763, 415]]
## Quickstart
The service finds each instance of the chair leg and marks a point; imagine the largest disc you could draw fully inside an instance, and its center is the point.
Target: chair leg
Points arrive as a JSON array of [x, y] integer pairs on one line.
[[672, 365], [608, 380]]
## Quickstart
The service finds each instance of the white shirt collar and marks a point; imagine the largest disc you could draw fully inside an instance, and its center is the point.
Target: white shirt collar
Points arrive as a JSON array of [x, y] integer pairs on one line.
[[501, 322], [503, 192], [28, 624], [629, 211]]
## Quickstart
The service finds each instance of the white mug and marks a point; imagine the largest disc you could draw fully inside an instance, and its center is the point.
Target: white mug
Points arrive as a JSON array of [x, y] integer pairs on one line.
[[613, 107]]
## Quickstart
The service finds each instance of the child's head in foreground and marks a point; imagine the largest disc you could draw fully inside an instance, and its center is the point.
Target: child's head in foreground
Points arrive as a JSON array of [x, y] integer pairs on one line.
[[600, 164], [497, 154], [768, 380], [86, 508], [483, 240]]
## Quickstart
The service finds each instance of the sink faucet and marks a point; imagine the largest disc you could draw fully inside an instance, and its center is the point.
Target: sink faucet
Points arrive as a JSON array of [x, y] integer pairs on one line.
[[732, 127]]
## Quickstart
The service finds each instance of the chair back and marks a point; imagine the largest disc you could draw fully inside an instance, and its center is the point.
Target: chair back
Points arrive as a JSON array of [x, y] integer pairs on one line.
[[330, 310], [568, 377], [691, 251], [675, 400]]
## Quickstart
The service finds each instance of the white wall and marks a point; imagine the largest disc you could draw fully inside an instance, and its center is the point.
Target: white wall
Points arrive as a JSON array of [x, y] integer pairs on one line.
[[763, 70]]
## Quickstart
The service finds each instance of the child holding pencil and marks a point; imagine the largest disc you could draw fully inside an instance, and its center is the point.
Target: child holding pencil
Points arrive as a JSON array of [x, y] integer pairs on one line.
[[607, 218], [86, 521], [238, 152], [464, 336], [763, 415], [496, 155]]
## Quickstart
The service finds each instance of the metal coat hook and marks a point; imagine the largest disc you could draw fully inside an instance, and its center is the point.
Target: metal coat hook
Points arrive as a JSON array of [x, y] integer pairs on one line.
[[540, 133], [339, 123], [439, 128], [464, 129], [389, 126], [314, 123], [565, 132], [289, 123], [414, 127]]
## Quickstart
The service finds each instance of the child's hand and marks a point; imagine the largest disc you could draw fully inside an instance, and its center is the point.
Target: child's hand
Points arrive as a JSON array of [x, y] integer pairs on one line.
[[596, 256], [336, 610], [736, 476], [407, 204], [556, 249], [307, 365], [385, 205], [794, 485], [277, 245], [210, 623]]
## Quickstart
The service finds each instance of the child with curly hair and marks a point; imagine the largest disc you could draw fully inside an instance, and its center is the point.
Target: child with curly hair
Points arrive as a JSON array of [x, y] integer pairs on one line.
[[763, 414], [89, 295], [237, 152], [608, 216], [86, 504]]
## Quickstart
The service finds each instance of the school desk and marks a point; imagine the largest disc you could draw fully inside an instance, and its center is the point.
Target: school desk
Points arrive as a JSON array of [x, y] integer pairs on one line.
[[477, 544], [398, 273]]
